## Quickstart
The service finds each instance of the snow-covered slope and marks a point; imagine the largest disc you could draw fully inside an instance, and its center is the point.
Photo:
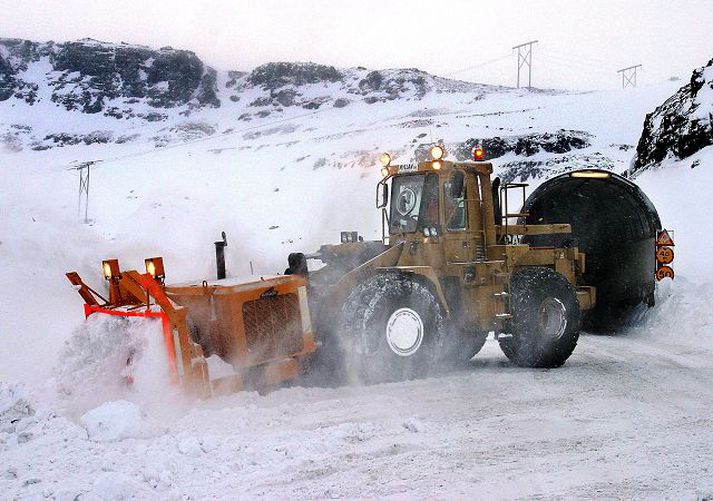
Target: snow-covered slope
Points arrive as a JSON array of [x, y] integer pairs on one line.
[[624, 418]]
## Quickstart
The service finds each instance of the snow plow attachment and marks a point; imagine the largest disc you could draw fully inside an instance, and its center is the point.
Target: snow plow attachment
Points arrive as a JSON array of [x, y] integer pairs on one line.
[[256, 332]]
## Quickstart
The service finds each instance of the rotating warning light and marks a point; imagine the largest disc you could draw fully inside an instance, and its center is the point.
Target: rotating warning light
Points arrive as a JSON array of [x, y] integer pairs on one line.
[[437, 152], [478, 153], [385, 159], [154, 267], [110, 269]]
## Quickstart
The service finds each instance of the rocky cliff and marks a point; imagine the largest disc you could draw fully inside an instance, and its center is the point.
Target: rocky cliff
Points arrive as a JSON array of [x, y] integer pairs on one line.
[[681, 126], [90, 76]]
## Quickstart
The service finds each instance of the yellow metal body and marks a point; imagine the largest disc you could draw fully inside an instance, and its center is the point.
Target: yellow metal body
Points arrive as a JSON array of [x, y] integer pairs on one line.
[[468, 269]]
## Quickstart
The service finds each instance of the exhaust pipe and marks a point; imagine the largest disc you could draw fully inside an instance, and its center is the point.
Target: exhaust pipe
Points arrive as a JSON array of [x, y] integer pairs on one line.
[[220, 256]]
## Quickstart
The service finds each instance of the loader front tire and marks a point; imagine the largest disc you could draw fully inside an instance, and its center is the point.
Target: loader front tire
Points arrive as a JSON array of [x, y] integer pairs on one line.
[[546, 319], [390, 329]]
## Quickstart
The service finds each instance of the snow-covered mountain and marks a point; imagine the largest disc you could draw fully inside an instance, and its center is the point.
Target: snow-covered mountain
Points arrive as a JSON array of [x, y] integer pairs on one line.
[[134, 85], [88, 92], [282, 158]]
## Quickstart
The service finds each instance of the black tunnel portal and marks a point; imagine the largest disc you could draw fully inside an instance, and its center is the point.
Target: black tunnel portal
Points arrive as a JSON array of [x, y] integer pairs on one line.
[[614, 224]]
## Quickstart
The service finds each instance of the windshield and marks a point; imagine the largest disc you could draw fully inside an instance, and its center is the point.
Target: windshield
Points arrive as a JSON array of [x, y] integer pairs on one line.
[[414, 203]]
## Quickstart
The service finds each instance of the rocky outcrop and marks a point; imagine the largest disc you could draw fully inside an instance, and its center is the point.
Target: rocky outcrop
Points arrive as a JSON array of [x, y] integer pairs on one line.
[[526, 145], [310, 86], [87, 75], [274, 75], [681, 126]]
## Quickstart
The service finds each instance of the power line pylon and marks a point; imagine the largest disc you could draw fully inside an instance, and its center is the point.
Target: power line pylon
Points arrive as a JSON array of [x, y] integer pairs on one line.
[[628, 76], [84, 170], [524, 58]]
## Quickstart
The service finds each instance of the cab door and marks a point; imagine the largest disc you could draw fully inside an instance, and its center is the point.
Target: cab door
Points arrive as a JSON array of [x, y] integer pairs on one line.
[[460, 212]]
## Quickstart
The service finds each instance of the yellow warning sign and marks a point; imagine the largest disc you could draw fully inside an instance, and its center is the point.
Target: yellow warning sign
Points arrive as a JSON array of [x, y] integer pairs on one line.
[[664, 272], [664, 255], [664, 239]]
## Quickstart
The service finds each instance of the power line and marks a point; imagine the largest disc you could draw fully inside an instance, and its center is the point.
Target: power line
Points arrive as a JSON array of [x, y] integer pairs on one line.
[[579, 57], [479, 65]]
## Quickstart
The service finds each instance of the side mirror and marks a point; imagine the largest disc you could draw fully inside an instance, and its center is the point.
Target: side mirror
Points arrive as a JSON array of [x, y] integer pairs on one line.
[[457, 182], [382, 195]]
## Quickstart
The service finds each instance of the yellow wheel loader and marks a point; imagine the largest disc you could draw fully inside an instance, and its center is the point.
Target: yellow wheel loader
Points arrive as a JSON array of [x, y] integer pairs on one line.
[[453, 265]]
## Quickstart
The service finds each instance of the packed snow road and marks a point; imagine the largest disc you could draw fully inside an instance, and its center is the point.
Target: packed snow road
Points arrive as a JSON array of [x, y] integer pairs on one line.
[[628, 416]]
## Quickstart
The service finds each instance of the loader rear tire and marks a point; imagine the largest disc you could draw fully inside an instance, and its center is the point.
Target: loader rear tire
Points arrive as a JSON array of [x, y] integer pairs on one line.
[[390, 330], [546, 319]]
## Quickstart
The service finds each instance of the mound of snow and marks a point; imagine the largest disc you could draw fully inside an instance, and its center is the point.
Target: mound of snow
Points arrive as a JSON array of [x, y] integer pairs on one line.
[[114, 486], [119, 420], [112, 358], [14, 406]]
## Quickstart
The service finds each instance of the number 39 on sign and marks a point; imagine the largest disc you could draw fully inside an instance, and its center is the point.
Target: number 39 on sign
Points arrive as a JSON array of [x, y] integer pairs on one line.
[[664, 255]]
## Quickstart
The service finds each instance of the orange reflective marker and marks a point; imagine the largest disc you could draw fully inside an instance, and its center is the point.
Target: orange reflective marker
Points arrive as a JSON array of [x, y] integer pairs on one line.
[[664, 239], [664, 272], [664, 255]]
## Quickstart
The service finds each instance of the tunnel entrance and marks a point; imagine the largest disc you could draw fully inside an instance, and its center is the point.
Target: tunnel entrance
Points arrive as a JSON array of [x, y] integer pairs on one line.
[[615, 224]]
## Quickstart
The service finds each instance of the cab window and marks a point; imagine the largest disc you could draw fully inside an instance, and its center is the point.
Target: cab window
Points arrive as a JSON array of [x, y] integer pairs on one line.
[[454, 201], [414, 203]]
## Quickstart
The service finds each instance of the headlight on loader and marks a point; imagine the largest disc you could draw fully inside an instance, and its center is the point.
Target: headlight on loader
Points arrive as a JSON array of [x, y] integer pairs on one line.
[[385, 159], [154, 267], [110, 268], [437, 152]]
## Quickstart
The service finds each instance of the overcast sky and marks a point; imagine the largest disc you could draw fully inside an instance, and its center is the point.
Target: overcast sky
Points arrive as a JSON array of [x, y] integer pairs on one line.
[[581, 43]]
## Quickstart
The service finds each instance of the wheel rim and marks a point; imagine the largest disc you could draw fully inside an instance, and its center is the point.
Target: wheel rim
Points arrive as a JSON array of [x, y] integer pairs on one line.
[[553, 318], [404, 332]]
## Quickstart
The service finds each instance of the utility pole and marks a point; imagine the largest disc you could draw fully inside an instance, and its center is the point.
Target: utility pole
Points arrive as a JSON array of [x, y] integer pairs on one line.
[[524, 58], [84, 169], [628, 76]]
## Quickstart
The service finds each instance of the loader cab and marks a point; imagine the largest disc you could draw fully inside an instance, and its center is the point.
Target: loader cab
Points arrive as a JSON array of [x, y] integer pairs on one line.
[[440, 205]]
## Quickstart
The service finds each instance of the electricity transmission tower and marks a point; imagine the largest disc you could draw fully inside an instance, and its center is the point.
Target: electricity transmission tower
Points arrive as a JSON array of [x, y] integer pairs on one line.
[[524, 58], [628, 76], [84, 170]]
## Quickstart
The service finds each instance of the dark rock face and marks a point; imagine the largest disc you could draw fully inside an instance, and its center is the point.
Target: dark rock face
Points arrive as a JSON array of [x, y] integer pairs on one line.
[[562, 141], [525, 170], [391, 84], [682, 125], [275, 75], [15, 55], [91, 73], [8, 84]]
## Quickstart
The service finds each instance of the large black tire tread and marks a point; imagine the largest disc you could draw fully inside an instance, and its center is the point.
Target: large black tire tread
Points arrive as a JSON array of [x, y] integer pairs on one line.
[[528, 346], [366, 355]]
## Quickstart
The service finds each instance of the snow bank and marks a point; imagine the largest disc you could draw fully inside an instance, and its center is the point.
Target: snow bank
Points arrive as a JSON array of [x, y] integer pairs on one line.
[[113, 486], [110, 358], [14, 406], [118, 420]]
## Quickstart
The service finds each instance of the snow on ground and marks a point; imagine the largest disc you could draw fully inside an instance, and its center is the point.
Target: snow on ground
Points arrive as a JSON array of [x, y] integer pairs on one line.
[[626, 417]]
